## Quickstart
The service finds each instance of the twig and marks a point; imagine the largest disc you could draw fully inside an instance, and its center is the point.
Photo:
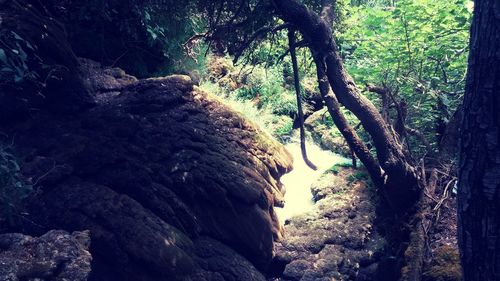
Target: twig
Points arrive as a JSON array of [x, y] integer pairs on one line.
[[46, 174]]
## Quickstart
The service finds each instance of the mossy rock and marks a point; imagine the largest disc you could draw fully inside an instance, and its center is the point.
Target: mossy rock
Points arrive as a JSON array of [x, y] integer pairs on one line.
[[327, 135]]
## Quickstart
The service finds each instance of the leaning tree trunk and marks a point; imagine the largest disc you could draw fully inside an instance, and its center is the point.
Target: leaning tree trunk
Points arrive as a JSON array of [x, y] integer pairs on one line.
[[355, 143], [399, 181], [402, 185], [479, 179]]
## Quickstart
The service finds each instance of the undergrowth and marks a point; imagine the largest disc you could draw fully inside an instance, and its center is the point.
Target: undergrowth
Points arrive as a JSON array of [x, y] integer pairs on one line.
[[13, 190], [260, 94]]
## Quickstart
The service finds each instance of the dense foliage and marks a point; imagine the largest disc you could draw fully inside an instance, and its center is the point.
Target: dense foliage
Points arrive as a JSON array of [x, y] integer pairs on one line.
[[416, 49], [143, 37], [12, 187]]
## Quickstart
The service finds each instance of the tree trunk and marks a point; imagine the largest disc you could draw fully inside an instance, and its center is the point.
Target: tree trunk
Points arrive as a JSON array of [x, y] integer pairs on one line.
[[400, 183], [479, 175], [355, 143]]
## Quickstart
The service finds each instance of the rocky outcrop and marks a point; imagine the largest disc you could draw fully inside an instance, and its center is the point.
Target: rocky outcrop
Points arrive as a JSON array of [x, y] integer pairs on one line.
[[171, 183], [57, 256], [337, 240]]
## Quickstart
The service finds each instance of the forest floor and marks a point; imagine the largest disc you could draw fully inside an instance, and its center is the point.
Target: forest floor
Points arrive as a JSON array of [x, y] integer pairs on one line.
[[443, 258]]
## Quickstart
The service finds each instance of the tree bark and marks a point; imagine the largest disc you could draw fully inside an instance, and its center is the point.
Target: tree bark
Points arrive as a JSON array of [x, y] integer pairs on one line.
[[479, 175], [384, 97], [355, 143]]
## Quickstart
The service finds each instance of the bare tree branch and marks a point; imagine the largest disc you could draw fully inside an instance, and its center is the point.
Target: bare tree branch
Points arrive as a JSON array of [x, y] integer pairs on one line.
[[258, 35]]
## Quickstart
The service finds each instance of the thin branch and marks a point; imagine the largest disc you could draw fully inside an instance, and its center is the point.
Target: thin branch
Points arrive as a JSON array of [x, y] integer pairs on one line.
[[298, 45], [259, 34], [293, 55]]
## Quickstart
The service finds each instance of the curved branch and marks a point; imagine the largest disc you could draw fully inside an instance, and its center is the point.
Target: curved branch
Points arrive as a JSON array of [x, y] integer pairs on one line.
[[293, 55], [259, 34], [355, 143]]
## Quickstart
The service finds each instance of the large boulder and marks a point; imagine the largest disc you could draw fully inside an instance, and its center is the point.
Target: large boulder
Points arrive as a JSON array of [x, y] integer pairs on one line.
[[57, 255], [157, 171]]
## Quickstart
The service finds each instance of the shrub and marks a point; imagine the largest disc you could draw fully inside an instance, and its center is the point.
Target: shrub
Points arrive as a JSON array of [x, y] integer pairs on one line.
[[357, 176], [143, 37], [337, 167], [282, 127], [12, 188], [334, 169]]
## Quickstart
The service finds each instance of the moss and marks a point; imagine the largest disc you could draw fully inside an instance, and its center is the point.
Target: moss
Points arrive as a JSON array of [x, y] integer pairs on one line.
[[445, 266], [283, 126], [344, 164], [357, 176], [334, 169]]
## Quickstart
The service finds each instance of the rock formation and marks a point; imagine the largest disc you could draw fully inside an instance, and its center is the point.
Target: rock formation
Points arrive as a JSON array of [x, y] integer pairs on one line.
[[39, 68], [171, 183], [57, 256], [337, 240]]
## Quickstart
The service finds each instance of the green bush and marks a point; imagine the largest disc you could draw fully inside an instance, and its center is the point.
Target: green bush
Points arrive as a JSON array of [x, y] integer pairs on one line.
[[337, 167], [143, 37], [281, 127], [357, 176], [258, 93], [334, 169]]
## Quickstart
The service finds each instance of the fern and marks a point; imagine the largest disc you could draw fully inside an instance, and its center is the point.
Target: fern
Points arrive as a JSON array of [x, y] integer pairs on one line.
[[13, 190]]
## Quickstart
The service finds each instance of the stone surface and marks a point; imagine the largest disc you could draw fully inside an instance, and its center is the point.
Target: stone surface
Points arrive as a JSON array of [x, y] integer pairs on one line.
[[57, 255], [328, 137], [337, 240], [150, 171]]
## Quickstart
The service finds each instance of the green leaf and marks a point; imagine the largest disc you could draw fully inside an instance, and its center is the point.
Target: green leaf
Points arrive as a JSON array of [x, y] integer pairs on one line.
[[3, 56]]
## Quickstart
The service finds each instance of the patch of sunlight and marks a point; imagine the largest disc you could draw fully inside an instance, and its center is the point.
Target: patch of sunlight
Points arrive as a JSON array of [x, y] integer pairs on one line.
[[470, 6], [298, 196]]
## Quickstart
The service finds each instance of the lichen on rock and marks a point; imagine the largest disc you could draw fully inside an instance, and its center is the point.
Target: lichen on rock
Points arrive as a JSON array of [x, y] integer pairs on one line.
[[56, 255]]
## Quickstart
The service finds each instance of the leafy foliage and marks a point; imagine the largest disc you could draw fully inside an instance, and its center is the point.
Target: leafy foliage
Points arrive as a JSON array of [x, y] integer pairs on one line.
[[260, 94], [17, 66], [12, 188], [417, 49]]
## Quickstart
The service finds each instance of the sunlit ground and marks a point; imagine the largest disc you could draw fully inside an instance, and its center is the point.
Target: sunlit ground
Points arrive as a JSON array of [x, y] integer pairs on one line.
[[298, 197]]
